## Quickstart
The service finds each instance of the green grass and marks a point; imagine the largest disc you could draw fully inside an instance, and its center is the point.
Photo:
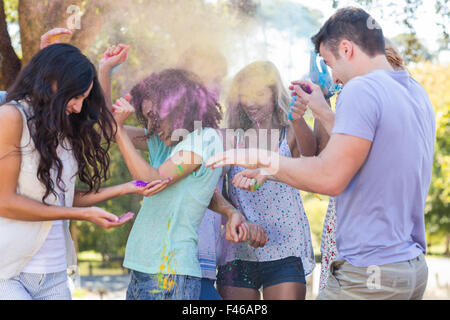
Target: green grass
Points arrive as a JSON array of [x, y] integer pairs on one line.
[[97, 269], [437, 250], [94, 259], [80, 293], [89, 256]]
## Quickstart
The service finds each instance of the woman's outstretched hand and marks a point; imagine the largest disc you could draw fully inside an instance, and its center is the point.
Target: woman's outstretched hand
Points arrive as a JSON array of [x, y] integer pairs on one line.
[[105, 219]]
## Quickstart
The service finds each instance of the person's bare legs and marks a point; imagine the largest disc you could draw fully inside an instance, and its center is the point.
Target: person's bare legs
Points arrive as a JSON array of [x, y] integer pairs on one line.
[[285, 291], [236, 293]]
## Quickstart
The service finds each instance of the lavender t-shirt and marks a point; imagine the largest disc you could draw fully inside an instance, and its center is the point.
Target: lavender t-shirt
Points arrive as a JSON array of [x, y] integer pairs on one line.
[[380, 216]]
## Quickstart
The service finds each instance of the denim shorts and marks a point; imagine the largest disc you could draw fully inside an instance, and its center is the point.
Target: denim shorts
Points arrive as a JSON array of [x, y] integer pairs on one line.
[[34, 286], [145, 286], [254, 275], [208, 291]]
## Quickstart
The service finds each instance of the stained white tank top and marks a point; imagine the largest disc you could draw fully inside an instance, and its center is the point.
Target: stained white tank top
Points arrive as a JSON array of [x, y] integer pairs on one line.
[[51, 258], [20, 241]]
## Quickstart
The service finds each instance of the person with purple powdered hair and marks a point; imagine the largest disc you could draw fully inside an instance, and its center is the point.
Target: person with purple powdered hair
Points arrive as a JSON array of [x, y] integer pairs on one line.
[[55, 127], [162, 246]]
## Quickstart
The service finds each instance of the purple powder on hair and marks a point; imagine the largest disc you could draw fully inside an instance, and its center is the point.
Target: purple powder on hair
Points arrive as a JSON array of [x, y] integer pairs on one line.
[[179, 98]]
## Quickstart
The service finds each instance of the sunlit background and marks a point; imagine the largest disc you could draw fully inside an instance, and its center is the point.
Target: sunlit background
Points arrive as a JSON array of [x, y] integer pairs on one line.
[[159, 31]]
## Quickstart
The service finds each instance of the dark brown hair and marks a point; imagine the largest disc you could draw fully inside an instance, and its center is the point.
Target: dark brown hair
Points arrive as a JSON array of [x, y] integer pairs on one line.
[[73, 73], [352, 24]]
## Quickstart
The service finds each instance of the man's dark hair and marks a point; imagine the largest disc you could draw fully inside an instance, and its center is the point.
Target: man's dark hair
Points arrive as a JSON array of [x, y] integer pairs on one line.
[[352, 24]]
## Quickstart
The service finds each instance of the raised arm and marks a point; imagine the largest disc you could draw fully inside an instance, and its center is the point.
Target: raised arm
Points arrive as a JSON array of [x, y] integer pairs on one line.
[[321, 109], [320, 131], [53, 36], [174, 169], [319, 106], [301, 138], [112, 58]]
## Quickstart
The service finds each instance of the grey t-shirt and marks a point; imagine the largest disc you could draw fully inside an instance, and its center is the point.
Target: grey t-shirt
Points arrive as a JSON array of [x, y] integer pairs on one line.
[[380, 216]]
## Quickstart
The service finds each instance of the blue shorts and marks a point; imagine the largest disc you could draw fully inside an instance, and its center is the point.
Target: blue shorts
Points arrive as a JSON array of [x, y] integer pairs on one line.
[[254, 275], [208, 291]]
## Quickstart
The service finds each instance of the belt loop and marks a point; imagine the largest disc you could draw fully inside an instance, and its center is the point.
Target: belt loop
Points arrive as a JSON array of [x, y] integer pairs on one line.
[[42, 278]]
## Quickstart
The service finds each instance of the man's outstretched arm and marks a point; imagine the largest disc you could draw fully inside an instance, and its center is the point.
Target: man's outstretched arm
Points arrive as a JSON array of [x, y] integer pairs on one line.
[[329, 173]]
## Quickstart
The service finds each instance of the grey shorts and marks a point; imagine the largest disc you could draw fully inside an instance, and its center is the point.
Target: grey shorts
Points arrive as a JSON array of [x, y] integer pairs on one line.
[[405, 280]]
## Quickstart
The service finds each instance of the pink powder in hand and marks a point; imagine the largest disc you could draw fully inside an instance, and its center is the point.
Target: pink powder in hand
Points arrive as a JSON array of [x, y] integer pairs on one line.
[[141, 183], [126, 217]]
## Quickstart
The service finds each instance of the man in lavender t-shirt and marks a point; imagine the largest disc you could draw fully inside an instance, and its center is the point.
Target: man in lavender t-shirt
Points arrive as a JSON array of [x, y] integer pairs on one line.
[[381, 212], [378, 163]]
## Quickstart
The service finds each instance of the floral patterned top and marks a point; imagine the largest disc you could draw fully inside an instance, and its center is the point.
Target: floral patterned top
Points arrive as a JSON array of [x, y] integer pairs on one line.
[[328, 244], [278, 208]]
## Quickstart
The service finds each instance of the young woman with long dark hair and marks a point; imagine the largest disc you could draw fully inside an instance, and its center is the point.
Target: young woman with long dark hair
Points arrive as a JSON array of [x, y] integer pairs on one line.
[[54, 127]]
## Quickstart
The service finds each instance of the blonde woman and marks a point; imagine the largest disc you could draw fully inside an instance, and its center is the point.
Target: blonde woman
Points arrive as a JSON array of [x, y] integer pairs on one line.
[[257, 108]]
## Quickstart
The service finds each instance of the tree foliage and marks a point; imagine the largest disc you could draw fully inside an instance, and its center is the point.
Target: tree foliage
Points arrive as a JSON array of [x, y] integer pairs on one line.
[[405, 13], [34, 18]]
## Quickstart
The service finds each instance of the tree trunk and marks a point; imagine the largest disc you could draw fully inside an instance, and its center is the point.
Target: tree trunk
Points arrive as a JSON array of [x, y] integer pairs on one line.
[[9, 62], [37, 17]]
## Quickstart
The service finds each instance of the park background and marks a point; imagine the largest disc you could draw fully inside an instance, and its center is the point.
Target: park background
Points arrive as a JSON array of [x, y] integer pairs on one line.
[[245, 31]]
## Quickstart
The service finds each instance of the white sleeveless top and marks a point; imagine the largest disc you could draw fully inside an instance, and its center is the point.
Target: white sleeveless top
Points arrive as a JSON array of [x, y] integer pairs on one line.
[[20, 241]]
